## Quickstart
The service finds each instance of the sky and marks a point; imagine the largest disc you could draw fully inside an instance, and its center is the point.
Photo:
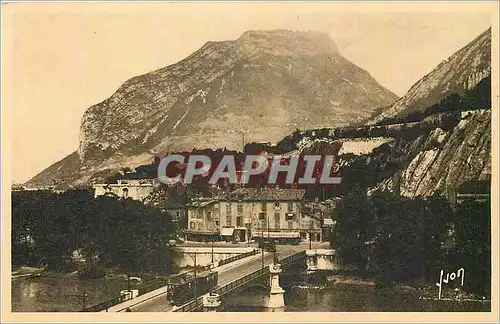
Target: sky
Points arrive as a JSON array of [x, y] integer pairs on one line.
[[59, 59]]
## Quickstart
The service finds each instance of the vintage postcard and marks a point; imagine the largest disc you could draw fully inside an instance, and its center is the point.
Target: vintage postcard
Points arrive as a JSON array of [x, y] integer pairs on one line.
[[252, 161]]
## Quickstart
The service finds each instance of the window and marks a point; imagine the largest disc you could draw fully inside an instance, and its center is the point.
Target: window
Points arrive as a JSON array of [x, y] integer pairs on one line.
[[216, 223], [290, 207], [290, 216], [239, 221], [209, 216], [263, 207], [277, 220], [199, 215], [277, 205], [262, 216], [228, 220], [290, 225], [178, 214], [228, 209], [240, 209], [191, 225]]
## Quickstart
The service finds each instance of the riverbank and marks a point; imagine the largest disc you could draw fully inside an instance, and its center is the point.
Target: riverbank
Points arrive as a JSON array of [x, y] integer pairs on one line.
[[417, 290], [27, 272]]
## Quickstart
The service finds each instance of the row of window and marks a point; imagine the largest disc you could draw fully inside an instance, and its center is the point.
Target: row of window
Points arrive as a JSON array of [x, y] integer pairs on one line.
[[239, 223], [199, 212], [192, 225], [263, 220], [263, 207]]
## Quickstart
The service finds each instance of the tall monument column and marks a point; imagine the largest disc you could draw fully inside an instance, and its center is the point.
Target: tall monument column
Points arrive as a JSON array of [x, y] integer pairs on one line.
[[276, 300]]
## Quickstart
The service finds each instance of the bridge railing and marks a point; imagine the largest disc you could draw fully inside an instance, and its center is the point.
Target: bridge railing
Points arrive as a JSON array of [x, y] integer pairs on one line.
[[107, 304], [195, 304], [238, 257]]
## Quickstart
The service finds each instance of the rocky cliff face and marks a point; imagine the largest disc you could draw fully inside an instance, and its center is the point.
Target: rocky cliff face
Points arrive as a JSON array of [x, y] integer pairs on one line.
[[265, 84], [423, 158], [446, 159], [460, 72]]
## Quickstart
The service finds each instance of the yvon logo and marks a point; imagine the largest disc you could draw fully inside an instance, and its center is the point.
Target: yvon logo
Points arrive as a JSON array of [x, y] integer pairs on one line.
[[450, 276]]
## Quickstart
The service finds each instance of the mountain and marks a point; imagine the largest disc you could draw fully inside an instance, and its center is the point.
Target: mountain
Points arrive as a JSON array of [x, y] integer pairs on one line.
[[460, 72], [445, 159], [445, 143], [265, 84]]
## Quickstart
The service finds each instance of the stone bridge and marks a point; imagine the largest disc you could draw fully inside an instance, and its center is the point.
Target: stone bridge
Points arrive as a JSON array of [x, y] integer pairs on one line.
[[265, 277]]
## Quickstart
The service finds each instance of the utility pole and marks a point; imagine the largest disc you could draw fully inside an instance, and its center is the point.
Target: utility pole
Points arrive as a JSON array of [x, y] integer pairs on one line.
[[274, 252], [262, 242], [195, 283], [268, 234], [310, 234], [195, 287], [213, 239]]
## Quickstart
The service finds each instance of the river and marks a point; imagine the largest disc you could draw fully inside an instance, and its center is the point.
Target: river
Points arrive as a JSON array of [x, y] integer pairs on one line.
[[334, 300], [59, 293], [62, 293]]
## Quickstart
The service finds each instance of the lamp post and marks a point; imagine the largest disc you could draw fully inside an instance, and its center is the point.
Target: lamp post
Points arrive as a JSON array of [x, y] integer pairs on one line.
[[213, 239], [310, 234], [262, 242], [268, 234]]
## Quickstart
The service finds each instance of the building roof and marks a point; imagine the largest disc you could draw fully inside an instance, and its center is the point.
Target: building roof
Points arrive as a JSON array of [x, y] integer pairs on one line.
[[200, 203], [265, 194], [170, 204], [328, 222]]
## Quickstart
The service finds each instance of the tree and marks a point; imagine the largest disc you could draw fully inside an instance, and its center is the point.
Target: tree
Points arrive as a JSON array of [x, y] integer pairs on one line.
[[473, 227], [47, 227], [354, 228]]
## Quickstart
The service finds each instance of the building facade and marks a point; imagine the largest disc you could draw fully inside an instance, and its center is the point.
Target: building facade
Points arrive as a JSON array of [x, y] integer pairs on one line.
[[252, 214], [136, 189]]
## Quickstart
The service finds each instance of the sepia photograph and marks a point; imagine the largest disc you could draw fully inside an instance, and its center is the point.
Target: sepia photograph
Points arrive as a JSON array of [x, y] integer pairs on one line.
[[273, 159]]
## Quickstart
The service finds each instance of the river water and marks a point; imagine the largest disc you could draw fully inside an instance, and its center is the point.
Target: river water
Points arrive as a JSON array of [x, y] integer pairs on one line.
[[60, 293], [334, 300]]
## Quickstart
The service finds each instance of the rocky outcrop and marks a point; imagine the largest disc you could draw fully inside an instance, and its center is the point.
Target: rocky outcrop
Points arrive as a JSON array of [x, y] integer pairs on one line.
[[446, 159], [460, 72], [265, 84]]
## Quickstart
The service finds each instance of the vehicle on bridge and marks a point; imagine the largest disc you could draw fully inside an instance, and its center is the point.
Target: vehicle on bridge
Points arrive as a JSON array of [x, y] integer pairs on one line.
[[267, 245], [184, 288]]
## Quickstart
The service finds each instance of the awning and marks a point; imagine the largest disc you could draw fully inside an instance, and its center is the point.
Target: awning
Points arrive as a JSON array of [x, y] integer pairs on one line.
[[328, 222], [277, 235], [192, 231], [227, 231]]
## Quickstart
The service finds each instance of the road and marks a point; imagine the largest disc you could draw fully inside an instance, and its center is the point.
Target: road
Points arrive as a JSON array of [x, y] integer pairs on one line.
[[226, 275]]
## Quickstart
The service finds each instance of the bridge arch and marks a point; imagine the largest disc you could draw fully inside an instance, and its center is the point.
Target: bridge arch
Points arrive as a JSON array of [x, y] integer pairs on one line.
[[256, 286]]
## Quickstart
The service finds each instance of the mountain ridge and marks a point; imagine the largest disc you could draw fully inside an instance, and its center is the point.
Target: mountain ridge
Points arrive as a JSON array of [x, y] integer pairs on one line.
[[459, 72], [264, 84]]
